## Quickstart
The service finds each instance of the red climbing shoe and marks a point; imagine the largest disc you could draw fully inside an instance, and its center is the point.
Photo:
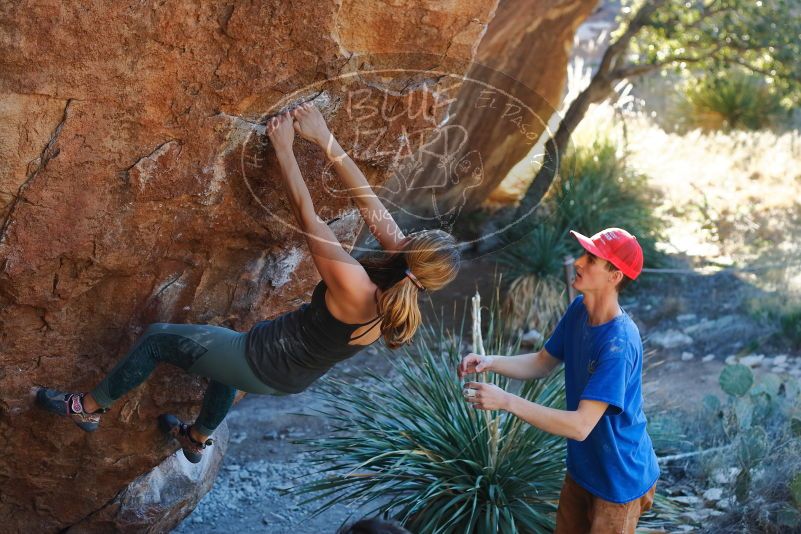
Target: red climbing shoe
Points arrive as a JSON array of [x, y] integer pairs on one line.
[[70, 405], [175, 428]]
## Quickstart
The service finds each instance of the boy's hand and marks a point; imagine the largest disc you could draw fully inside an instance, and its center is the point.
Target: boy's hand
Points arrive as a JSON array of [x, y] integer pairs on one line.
[[310, 124], [473, 363], [485, 396], [280, 132]]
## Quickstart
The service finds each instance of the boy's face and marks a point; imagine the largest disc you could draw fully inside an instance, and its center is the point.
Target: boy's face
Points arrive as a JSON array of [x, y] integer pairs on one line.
[[592, 274]]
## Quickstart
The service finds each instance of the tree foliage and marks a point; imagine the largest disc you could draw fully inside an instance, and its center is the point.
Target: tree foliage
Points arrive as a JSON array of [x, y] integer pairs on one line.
[[759, 36]]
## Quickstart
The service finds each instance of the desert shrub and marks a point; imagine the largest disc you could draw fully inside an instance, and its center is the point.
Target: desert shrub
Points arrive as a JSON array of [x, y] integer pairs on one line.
[[749, 450], [736, 100], [595, 190], [790, 325], [781, 313], [412, 448]]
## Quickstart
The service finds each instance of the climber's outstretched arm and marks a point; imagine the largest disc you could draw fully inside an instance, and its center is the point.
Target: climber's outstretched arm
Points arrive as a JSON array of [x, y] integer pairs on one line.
[[341, 273], [310, 124]]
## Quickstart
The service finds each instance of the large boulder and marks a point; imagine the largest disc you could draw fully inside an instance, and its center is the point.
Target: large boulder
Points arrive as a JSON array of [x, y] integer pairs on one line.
[[137, 186]]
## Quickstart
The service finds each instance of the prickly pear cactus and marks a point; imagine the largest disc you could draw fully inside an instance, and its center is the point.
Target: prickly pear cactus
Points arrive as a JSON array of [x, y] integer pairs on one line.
[[744, 410], [711, 404], [795, 490], [752, 446], [736, 380], [769, 383], [764, 406]]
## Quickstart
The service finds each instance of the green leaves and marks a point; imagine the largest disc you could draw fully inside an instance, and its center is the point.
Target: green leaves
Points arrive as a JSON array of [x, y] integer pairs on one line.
[[761, 37], [410, 446]]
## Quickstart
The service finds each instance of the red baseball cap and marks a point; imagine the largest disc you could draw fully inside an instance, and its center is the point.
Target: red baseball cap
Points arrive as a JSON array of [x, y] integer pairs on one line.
[[616, 246]]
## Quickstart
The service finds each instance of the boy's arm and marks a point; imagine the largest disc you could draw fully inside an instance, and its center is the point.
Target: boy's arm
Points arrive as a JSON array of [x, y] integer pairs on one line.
[[526, 366], [575, 425]]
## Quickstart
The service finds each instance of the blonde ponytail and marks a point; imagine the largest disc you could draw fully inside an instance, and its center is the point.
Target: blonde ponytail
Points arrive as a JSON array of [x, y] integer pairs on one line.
[[400, 313], [432, 258]]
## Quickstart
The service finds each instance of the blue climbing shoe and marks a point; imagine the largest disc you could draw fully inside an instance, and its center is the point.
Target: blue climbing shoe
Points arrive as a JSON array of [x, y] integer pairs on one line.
[[69, 405], [177, 429]]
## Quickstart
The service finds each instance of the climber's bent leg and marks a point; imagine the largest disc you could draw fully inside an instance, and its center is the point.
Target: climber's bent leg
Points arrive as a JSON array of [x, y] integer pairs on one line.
[[226, 361], [211, 351], [159, 343], [217, 400]]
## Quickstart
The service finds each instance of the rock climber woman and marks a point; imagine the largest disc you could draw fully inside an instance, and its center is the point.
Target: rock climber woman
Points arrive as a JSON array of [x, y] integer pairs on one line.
[[355, 304]]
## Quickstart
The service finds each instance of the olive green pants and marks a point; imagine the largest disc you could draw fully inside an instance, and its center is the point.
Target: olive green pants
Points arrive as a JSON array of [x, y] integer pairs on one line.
[[210, 351]]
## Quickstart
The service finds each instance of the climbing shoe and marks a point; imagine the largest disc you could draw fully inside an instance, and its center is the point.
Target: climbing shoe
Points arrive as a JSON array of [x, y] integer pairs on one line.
[[70, 405], [177, 429]]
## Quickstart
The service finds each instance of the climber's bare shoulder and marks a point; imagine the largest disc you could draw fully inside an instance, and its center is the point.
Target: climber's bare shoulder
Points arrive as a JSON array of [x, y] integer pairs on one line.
[[354, 302]]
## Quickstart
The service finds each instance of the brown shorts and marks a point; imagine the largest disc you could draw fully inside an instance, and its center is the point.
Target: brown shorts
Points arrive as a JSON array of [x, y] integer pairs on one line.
[[581, 512]]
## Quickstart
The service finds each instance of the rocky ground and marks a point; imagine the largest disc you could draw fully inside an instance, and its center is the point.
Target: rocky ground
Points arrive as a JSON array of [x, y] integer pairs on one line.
[[697, 327], [263, 461]]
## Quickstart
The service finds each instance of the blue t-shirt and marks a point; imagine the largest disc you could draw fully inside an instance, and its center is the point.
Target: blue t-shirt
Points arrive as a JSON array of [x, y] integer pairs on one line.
[[617, 461]]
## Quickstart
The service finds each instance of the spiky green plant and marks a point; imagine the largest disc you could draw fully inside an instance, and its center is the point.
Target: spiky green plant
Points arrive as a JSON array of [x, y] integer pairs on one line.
[[411, 447], [533, 302], [540, 253], [735, 100], [595, 190]]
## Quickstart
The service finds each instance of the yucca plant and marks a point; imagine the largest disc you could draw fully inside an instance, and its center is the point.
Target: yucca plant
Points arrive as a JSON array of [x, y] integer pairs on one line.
[[535, 302], [595, 190], [412, 448], [735, 101], [535, 297]]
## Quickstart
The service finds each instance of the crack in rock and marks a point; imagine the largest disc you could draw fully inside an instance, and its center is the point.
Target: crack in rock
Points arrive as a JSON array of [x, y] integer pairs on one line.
[[39, 164]]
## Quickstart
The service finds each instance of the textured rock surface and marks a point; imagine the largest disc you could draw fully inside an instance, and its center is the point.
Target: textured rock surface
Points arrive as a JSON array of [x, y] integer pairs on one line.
[[157, 500], [511, 93], [136, 187]]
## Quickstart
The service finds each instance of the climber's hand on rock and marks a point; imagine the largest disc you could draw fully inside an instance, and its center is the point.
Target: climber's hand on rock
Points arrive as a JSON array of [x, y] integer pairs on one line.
[[281, 132], [310, 124]]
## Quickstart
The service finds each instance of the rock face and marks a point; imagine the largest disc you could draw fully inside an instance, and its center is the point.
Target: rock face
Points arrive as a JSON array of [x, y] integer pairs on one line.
[[137, 186], [157, 500], [511, 92]]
